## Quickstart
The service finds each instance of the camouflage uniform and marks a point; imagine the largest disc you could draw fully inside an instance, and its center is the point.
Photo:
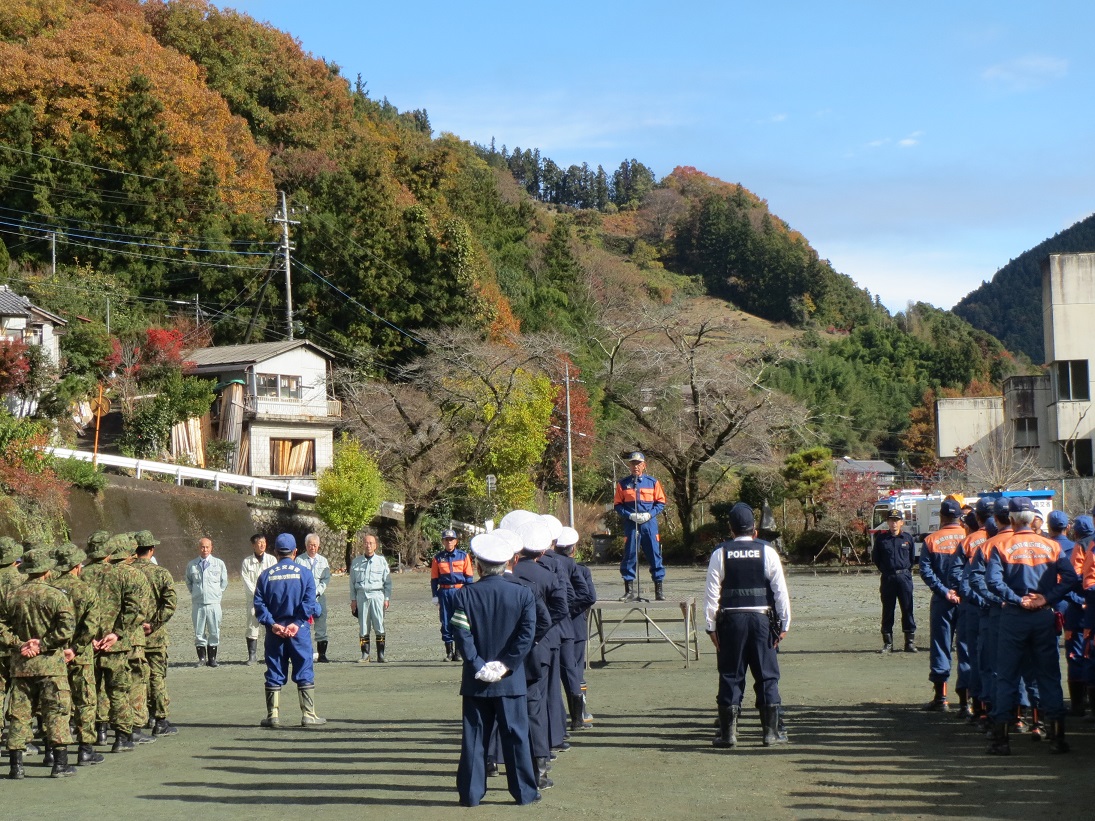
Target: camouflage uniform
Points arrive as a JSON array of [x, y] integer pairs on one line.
[[81, 670], [165, 601], [10, 578], [145, 610], [39, 685], [120, 611]]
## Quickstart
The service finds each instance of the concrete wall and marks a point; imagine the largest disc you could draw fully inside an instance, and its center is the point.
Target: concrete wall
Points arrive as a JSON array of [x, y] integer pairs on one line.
[[179, 516]]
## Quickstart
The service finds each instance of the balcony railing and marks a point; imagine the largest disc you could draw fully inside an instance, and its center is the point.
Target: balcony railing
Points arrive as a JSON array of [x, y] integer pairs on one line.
[[273, 406]]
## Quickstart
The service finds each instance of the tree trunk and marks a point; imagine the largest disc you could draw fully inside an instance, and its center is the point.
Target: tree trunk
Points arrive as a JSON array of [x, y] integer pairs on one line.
[[349, 550]]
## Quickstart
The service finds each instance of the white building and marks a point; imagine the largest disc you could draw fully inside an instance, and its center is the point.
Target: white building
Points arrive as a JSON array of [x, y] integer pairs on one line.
[[23, 321], [1047, 419], [272, 401]]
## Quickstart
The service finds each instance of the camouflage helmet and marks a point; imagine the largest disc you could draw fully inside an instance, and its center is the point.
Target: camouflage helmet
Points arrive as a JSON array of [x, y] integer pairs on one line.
[[38, 559], [68, 556], [120, 546], [145, 538], [98, 549], [96, 539], [10, 550]]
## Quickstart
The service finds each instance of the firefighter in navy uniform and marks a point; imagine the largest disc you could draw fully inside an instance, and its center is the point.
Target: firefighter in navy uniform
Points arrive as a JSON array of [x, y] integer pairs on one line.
[[638, 501], [893, 554], [743, 576]]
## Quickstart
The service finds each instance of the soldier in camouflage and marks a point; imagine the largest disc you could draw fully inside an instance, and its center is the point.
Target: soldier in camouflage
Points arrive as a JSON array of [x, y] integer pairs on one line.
[[94, 566], [81, 668], [121, 562], [10, 578], [38, 626], [165, 601]]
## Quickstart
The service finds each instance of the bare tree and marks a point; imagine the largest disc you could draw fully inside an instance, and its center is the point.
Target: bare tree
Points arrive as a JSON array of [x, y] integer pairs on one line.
[[692, 391], [1000, 465], [427, 425]]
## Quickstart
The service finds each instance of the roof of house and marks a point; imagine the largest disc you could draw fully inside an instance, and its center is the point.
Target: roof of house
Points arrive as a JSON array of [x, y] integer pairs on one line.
[[13, 304], [248, 354], [864, 465]]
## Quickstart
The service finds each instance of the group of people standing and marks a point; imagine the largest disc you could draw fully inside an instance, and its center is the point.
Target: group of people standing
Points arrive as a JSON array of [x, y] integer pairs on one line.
[[520, 630], [86, 634], [1002, 593]]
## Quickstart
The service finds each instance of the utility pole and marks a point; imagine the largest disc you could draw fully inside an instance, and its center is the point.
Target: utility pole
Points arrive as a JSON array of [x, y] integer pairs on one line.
[[570, 457], [53, 251], [281, 217]]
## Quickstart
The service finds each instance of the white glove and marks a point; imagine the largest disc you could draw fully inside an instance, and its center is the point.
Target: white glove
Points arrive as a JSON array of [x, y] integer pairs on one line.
[[645, 518], [499, 668], [488, 674], [635, 517], [435, 601]]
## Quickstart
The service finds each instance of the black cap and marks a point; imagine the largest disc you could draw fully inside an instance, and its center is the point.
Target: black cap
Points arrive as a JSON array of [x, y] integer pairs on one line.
[[895, 514], [741, 519]]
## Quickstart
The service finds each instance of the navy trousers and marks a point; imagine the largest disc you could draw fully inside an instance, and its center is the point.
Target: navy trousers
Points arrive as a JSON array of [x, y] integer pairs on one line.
[[1027, 644], [553, 707], [944, 616], [969, 622], [444, 611], [745, 644], [480, 715], [283, 653], [894, 589], [649, 542]]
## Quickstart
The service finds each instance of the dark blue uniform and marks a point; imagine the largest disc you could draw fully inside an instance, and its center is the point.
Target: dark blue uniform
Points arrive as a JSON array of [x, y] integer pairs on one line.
[[286, 594], [893, 556], [494, 620]]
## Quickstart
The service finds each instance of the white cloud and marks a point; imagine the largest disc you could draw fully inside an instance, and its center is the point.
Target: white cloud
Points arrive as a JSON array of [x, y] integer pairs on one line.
[[910, 141], [1026, 73], [878, 143]]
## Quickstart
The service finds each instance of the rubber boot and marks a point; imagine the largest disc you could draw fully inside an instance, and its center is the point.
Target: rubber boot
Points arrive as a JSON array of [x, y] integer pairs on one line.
[[629, 593], [15, 759], [101, 732], [727, 734], [587, 716], [123, 742], [1077, 693], [86, 756], [47, 754], [576, 706], [887, 643], [542, 780], [910, 643], [322, 647], [450, 650], [201, 655], [771, 721], [1000, 744], [273, 719], [308, 717], [363, 643], [252, 651], [164, 727], [61, 767], [456, 653], [939, 703], [212, 656], [1057, 743], [659, 592], [380, 648]]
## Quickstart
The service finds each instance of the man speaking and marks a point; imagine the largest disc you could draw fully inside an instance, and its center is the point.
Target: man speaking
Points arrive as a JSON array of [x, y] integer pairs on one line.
[[638, 501]]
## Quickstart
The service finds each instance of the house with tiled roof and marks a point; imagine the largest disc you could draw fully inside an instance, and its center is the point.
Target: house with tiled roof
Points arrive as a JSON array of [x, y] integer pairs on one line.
[[23, 321]]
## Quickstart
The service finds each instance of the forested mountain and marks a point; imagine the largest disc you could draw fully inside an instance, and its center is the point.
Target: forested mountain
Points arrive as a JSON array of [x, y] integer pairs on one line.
[[1009, 306], [143, 146]]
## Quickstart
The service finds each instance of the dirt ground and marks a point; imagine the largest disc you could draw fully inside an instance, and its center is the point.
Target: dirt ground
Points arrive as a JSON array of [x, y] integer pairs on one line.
[[859, 744]]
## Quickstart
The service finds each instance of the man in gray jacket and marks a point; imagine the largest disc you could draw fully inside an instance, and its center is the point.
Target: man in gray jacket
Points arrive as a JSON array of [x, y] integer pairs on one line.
[[206, 579]]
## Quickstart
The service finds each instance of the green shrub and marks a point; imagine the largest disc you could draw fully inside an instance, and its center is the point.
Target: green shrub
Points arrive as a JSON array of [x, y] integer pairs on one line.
[[81, 474]]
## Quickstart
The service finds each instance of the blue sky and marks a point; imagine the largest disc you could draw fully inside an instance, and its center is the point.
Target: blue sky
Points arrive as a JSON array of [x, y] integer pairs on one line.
[[918, 146]]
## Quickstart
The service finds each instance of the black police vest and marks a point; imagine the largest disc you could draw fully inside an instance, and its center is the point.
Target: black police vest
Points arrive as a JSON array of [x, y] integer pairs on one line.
[[743, 580]]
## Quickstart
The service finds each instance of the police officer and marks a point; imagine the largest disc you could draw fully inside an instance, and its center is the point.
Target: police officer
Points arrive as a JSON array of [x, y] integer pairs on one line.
[[893, 554], [936, 560], [638, 501], [743, 577], [285, 599], [1030, 574], [450, 570], [494, 623], [574, 666]]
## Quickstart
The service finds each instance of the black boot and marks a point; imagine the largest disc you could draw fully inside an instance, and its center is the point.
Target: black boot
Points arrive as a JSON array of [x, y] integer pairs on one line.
[[61, 767], [47, 755], [380, 648], [363, 643], [86, 756], [1000, 744], [576, 707], [910, 642], [252, 651], [1057, 743], [659, 592], [939, 703], [321, 646], [15, 758], [964, 708], [164, 727], [629, 593], [887, 643], [201, 655], [542, 765], [1076, 696], [450, 650], [727, 735], [101, 732], [773, 731], [456, 653], [123, 742], [212, 656], [492, 768]]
